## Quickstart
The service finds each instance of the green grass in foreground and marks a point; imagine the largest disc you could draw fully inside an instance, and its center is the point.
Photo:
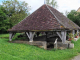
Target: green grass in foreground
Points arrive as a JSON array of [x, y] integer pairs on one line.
[[14, 51]]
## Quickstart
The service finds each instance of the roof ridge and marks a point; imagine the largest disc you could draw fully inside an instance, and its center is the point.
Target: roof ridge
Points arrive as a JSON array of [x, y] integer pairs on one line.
[[55, 16]]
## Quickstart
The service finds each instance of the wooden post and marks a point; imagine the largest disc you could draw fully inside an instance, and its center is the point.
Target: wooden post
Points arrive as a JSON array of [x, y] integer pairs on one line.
[[63, 36], [30, 36], [78, 32], [59, 34], [56, 42], [62, 33], [73, 32], [11, 35]]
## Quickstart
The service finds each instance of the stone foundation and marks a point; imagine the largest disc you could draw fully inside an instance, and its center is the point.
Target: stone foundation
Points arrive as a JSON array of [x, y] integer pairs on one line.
[[41, 44], [60, 45], [47, 45]]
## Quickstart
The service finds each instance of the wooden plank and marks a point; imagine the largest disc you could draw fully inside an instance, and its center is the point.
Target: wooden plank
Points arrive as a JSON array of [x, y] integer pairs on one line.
[[63, 36]]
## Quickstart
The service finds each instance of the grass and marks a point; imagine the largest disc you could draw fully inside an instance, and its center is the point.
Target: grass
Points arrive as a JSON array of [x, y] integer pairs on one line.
[[4, 35], [14, 51]]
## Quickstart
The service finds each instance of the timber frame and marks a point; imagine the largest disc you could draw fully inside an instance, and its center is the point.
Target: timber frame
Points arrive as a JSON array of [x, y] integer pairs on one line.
[[30, 36], [62, 34], [11, 35]]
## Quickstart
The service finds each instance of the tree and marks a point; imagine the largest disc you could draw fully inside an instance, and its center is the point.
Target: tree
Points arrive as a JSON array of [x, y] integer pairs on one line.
[[15, 9], [3, 9], [74, 16], [52, 3], [4, 23], [18, 17]]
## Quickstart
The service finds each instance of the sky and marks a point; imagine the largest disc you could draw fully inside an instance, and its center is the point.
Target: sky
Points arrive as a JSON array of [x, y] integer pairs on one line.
[[63, 5]]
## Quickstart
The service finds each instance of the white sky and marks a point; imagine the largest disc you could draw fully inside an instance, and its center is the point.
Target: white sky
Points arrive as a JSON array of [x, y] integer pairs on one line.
[[63, 5]]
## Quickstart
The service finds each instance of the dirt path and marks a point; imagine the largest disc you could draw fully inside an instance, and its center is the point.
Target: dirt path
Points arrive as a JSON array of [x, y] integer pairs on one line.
[[76, 57]]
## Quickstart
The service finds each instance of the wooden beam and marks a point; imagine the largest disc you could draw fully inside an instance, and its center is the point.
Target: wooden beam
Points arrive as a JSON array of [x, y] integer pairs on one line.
[[63, 37], [78, 32], [56, 42], [59, 34], [11, 35], [30, 36], [73, 32], [62, 33], [27, 34]]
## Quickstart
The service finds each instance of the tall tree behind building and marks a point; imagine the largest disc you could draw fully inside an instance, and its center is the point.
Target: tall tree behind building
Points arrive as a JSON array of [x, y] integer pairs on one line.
[[52, 3], [74, 16], [4, 22], [16, 10]]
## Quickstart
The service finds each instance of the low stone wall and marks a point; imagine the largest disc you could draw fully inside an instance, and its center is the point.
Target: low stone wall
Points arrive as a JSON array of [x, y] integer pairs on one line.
[[41, 44], [60, 45]]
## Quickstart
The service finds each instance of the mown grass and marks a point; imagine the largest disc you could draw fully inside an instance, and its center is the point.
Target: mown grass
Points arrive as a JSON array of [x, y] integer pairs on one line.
[[4, 35], [14, 51]]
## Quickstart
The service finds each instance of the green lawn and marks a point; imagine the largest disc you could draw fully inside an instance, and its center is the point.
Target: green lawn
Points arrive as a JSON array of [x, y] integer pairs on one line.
[[14, 51]]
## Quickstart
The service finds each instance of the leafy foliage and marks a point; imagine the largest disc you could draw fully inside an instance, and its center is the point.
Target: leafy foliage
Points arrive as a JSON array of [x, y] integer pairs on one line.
[[11, 13], [16, 10], [74, 16], [3, 9], [16, 18], [15, 6], [52, 3], [3, 22]]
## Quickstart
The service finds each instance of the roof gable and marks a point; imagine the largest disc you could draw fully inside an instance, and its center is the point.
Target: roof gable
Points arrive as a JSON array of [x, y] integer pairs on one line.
[[44, 18], [67, 23]]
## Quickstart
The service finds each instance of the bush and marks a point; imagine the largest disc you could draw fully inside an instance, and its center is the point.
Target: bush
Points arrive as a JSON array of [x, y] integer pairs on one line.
[[72, 41]]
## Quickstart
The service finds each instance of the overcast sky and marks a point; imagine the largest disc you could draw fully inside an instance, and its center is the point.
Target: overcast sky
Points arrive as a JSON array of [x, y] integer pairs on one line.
[[63, 5]]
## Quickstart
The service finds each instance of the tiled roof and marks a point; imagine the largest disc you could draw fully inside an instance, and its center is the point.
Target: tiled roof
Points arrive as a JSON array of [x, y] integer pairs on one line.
[[45, 18]]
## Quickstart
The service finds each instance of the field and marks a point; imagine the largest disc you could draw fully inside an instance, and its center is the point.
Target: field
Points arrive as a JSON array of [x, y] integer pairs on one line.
[[14, 51]]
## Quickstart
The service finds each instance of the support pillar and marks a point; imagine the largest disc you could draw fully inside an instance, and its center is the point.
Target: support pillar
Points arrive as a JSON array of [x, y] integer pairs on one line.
[[73, 32], [78, 32], [11, 35], [62, 36], [59, 34], [30, 36]]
